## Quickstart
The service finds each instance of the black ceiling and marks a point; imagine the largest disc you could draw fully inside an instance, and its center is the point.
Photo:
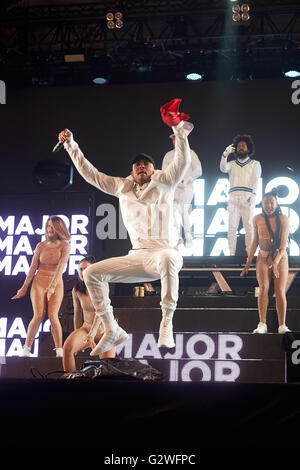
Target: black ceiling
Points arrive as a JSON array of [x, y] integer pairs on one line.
[[159, 40]]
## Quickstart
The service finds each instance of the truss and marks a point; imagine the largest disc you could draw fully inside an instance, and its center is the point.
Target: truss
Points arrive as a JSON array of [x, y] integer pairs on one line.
[[159, 40]]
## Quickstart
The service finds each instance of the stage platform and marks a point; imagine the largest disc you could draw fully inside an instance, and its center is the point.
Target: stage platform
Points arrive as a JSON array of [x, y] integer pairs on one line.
[[213, 336], [223, 388]]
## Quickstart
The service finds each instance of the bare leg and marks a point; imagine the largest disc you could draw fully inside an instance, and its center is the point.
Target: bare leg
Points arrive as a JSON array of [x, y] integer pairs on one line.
[[279, 287], [38, 300], [76, 342], [263, 275], [53, 309]]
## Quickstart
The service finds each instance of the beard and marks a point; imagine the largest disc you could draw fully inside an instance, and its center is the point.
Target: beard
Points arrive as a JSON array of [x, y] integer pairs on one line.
[[242, 154]]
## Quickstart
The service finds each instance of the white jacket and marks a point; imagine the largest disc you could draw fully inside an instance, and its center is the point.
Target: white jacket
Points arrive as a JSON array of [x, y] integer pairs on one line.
[[148, 217]]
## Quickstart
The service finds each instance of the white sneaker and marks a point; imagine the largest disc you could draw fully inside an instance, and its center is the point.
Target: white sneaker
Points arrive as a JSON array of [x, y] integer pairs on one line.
[[59, 352], [109, 340], [26, 351], [166, 338], [261, 328], [283, 329]]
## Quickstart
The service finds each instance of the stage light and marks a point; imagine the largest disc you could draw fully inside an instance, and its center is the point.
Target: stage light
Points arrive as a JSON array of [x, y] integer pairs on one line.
[[245, 17], [109, 16], [240, 13], [245, 8], [110, 25], [292, 73], [114, 20], [119, 24], [194, 76], [74, 58], [100, 80], [236, 17]]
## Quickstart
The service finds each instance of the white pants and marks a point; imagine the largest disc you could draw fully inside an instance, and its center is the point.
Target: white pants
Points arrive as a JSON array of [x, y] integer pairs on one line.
[[142, 265], [182, 203], [239, 206]]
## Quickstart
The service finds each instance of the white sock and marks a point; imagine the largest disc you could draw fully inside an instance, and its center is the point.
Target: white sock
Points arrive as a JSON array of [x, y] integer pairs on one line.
[[26, 351], [167, 316], [108, 320], [59, 352]]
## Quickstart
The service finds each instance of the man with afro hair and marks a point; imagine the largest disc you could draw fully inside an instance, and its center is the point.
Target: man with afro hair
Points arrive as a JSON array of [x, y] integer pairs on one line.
[[244, 174]]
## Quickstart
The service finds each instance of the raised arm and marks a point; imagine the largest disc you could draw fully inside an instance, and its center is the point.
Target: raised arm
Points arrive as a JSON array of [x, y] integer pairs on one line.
[[33, 267], [224, 165], [107, 184], [175, 171]]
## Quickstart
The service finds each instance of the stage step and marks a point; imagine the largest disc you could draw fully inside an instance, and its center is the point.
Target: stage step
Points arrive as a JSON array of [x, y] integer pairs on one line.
[[195, 301], [196, 357], [229, 319], [174, 370], [205, 345]]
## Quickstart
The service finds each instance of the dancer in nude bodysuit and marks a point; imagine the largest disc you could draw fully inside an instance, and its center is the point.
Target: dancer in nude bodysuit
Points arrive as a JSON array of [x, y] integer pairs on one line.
[[271, 231], [47, 290], [85, 334]]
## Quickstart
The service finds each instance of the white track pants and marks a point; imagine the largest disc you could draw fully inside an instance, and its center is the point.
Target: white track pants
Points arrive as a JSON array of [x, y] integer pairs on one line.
[[238, 207], [182, 204], [142, 265]]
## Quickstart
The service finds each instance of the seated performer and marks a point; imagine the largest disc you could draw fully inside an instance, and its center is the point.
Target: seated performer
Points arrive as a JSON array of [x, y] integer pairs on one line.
[[244, 174], [84, 334], [47, 290], [271, 230], [184, 192], [146, 202]]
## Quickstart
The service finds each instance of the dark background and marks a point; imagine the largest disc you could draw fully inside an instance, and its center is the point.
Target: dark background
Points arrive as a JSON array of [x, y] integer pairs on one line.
[[114, 123]]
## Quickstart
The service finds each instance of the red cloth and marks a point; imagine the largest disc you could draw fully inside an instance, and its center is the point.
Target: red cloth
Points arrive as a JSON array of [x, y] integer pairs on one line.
[[170, 113]]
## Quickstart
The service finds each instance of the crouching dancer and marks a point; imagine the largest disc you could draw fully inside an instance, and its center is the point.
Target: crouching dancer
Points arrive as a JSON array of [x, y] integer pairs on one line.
[[146, 202]]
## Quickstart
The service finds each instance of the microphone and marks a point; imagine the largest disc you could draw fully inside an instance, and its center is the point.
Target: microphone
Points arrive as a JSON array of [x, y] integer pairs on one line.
[[57, 147]]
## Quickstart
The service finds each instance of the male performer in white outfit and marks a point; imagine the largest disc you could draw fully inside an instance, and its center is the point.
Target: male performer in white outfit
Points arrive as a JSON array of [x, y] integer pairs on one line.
[[244, 174], [146, 202], [184, 192]]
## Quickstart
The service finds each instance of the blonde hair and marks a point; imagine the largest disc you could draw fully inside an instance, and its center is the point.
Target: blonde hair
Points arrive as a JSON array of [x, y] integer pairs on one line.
[[59, 227]]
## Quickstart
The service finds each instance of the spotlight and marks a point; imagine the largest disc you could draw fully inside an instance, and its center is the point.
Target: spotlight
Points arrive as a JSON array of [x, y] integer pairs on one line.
[[119, 24], [114, 20], [110, 25], [109, 16], [291, 73], [245, 17], [236, 17], [245, 8], [100, 80], [240, 13], [194, 76]]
